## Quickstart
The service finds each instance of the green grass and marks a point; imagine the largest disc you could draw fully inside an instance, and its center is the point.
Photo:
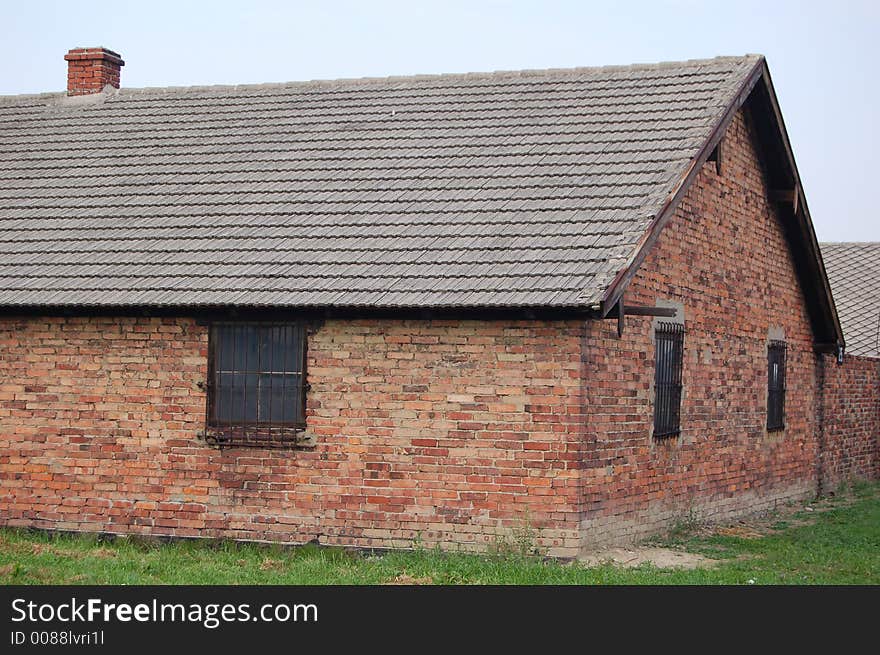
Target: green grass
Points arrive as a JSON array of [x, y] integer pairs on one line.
[[839, 543]]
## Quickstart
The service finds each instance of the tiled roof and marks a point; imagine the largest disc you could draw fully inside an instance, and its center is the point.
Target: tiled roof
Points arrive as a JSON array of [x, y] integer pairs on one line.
[[502, 189], [854, 273]]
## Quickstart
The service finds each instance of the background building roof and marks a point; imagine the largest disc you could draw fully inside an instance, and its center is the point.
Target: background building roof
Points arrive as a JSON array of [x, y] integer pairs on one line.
[[854, 272]]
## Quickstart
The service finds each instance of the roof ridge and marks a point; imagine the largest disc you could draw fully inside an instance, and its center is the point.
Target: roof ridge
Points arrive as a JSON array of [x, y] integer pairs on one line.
[[19, 97], [823, 244], [369, 80]]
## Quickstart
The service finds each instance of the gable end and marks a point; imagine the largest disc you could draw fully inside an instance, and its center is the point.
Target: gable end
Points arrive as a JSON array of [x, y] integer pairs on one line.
[[756, 95]]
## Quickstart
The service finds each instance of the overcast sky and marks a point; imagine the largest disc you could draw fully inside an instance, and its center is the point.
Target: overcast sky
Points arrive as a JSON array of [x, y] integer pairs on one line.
[[823, 57]]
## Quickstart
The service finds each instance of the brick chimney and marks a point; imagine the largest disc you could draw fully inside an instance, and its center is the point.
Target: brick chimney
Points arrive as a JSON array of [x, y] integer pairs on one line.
[[89, 70]]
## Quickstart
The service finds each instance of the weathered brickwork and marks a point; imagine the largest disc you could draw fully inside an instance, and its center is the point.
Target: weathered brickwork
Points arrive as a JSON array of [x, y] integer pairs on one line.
[[851, 419], [89, 70], [461, 433], [457, 433], [724, 259]]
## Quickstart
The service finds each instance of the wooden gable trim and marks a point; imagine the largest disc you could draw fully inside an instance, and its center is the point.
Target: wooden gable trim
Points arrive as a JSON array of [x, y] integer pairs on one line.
[[797, 222], [757, 91]]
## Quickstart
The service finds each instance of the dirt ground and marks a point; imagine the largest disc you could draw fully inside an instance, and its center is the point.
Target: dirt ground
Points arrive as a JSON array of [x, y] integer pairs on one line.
[[633, 556]]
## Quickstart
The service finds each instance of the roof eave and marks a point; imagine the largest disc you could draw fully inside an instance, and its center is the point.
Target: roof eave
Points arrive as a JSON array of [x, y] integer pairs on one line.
[[521, 312]]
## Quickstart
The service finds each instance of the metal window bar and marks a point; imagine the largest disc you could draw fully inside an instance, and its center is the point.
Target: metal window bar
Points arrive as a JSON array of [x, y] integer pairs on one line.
[[776, 356], [669, 359], [250, 364]]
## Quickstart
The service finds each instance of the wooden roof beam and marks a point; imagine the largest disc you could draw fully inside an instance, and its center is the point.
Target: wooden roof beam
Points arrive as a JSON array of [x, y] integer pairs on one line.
[[622, 310], [640, 310], [788, 196]]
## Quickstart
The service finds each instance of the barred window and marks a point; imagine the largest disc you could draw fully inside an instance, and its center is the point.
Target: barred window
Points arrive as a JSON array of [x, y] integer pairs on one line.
[[669, 357], [256, 386], [776, 385]]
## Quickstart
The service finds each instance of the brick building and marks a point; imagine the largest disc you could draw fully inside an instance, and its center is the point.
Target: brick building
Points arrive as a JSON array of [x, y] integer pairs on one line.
[[578, 303], [852, 393]]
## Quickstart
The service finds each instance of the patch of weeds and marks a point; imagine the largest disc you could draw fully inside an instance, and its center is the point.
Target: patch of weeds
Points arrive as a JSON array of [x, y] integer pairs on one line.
[[12, 570], [684, 527], [269, 564], [144, 543], [521, 543], [525, 538], [739, 531], [336, 555], [406, 579], [645, 567], [861, 488], [714, 551]]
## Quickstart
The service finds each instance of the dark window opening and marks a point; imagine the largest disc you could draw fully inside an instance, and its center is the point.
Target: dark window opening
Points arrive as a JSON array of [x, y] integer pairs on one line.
[[669, 358], [256, 386], [776, 385], [715, 156]]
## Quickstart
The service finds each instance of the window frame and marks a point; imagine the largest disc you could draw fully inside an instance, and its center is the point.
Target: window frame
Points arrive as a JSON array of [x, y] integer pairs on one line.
[[243, 432], [668, 387], [776, 411]]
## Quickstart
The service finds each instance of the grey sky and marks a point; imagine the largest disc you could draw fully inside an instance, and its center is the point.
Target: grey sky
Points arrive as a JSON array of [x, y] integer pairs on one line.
[[822, 56]]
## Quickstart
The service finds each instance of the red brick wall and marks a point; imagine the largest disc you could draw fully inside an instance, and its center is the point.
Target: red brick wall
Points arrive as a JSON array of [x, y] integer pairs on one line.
[[851, 416], [724, 259], [457, 432]]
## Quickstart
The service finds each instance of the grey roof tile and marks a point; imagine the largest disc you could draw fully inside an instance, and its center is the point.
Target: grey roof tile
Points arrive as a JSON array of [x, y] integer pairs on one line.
[[854, 273], [496, 189]]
